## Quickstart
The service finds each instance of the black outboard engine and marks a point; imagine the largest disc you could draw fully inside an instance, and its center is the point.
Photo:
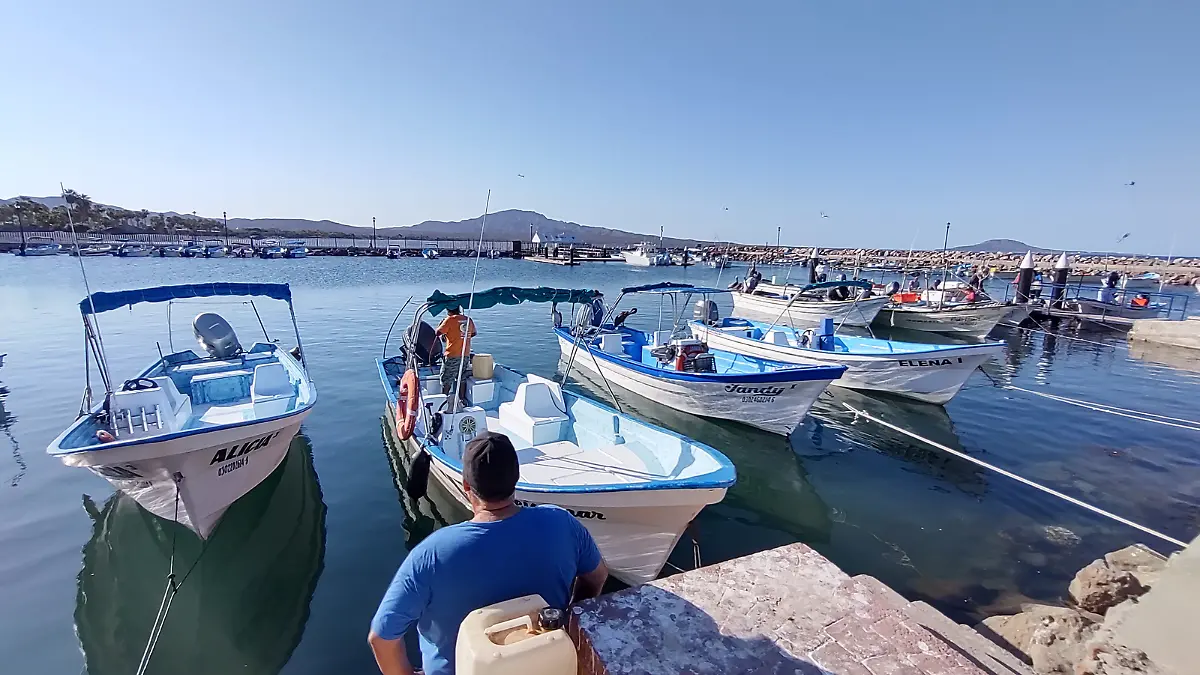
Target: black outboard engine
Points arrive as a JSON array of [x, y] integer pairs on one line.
[[426, 346], [216, 336], [893, 288], [706, 311]]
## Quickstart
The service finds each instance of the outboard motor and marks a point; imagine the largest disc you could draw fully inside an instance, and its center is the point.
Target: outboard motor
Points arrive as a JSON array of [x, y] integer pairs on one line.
[[706, 311], [893, 288], [216, 336], [426, 345]]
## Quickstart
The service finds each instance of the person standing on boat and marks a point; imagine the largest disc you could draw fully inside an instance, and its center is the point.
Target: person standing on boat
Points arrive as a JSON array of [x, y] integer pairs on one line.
[[506, 551], [456, 332]]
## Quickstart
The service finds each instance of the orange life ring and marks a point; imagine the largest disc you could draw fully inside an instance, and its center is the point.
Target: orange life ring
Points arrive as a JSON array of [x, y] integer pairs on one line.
[[407, 404]]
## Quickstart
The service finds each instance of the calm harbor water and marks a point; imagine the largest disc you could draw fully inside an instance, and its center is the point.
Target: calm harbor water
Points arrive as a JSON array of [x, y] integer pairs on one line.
[[290, 581]]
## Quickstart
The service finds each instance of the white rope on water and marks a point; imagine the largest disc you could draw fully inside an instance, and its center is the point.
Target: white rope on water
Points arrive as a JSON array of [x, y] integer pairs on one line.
[[1026, 481], [1177, 422]]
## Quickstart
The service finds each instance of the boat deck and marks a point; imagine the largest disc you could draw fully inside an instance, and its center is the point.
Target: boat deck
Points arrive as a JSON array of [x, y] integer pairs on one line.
[[564, 463]]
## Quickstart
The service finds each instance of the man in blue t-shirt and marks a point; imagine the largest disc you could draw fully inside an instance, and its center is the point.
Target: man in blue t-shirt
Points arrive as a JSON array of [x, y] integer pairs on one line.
[[504, 552]]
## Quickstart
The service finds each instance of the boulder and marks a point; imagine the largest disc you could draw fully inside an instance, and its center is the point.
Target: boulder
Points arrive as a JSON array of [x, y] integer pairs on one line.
[[1105, 655], [1098, 587], [1051, 638], [1140, 561]]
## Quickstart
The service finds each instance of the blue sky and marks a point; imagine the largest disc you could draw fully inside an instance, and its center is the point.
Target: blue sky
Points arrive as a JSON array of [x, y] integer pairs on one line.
[[1020, 119]]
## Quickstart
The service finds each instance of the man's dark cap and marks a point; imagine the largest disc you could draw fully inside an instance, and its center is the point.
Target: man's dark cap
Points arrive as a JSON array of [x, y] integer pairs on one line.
[[490, 466]]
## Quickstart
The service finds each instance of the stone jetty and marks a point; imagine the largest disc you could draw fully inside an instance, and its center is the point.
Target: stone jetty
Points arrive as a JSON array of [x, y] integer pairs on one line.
[[785, 610]]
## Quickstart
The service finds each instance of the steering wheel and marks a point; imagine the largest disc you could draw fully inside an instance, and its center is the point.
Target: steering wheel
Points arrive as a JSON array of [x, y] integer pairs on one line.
[[620, 320], [139, 384]]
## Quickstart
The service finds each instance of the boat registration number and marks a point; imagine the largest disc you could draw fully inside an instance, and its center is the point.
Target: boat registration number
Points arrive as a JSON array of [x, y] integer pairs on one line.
[[578, 513]]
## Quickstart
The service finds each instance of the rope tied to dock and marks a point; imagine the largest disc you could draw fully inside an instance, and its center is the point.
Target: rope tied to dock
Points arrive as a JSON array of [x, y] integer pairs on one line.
[[1177, 422], [1020, 479]]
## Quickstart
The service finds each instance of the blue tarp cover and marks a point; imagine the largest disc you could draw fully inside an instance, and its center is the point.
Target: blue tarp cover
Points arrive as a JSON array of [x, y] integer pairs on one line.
[[508, 295], [672, 287], [858, 283], [104, 302]]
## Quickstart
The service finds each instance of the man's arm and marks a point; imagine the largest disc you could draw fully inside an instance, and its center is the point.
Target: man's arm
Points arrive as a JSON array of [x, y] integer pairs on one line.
[[391, 655], [590, 584]]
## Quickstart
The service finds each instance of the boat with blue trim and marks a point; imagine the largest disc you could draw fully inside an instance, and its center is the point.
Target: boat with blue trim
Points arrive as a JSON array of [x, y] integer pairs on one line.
[[847, 302], [933, 373], [680, 371], [192, 433], [296, 249], [633, 485], [39, 246]]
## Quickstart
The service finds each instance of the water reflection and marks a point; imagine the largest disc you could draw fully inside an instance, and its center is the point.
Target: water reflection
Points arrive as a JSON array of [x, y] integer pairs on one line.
[[930, 421], [243, 607], [421, 516], [7, 420]]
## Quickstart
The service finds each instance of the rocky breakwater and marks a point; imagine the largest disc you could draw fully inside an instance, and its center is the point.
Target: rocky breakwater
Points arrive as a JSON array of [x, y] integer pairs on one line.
[[1079, 639]]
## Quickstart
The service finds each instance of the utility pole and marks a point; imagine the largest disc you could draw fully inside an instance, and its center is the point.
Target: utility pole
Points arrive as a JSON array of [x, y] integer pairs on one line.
[[372, 234], [778, 233], [225, 219]]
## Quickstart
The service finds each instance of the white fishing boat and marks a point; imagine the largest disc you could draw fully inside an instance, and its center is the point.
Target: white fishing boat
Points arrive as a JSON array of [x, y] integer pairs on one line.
[[170, 251], [633, 485], [677, 370], [97, 249], [646, 255], [296, 249], [192, 433], [933, 373], [976, 320], [193, 250], [720, 262], [39, 246], [431, 250], [215, 249], [1125, 309], [809, 304], [271, 249], [135, 249]]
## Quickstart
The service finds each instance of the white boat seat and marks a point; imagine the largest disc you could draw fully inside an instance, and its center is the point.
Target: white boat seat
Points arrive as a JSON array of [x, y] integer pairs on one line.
[[143, 412], [271, 381], [610, 343], [777, 337], [534, 414]]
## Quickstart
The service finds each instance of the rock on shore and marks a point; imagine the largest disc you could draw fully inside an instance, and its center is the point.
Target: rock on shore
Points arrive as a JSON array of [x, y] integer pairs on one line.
[[1078, 640]]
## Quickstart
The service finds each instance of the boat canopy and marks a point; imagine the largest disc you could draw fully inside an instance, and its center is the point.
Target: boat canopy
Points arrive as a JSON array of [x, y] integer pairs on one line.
[[507, 295], [857, 283], [672, 287], [104, 302]]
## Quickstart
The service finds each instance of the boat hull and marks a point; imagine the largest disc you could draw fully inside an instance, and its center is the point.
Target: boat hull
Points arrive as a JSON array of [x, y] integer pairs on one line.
[[636, 531], [972, 321], [34, 252], [934, 376], [777, 407], [213, 469], [136, 253], [1087, 306], [843, 312]]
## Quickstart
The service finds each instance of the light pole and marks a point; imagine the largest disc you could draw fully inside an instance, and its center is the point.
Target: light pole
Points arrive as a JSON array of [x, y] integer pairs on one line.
[[778, 233], [225, 219], [372, 234]]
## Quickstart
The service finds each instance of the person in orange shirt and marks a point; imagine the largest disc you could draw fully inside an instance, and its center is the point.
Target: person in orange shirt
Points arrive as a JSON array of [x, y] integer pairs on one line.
[[456, 332]]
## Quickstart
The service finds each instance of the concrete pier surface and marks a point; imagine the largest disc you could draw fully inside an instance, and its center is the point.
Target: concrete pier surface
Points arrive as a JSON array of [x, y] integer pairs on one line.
[[1172, 333], [786, 610]]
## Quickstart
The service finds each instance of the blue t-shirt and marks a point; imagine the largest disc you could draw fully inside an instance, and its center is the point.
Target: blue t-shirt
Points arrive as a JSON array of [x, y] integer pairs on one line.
[[460, 568]]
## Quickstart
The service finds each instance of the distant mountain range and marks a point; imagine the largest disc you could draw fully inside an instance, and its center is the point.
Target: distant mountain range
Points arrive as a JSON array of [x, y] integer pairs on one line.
[[1001, 246], [514, 225]]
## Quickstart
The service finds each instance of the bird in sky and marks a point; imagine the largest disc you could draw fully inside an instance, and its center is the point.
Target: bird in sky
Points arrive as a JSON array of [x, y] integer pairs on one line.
[[823, 215], [1131, 183], [726, 208], [520, 175]]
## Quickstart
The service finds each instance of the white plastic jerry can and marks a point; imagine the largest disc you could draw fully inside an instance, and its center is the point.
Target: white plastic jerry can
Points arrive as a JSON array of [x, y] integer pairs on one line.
[[522, 636]]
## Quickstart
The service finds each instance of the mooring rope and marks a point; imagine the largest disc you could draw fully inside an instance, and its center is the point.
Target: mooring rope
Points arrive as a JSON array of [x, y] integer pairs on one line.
[[1177, 422], [1026, 481], [171, 590]]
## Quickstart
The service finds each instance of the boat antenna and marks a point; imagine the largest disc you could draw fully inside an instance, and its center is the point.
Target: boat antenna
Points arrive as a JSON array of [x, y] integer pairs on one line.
[[471, 300], [945, 267], [100, 359]]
